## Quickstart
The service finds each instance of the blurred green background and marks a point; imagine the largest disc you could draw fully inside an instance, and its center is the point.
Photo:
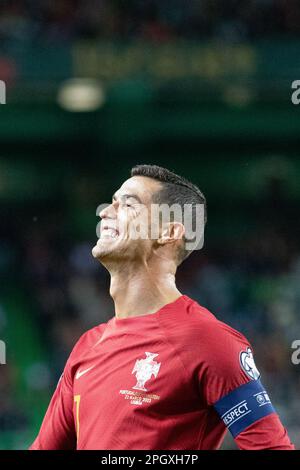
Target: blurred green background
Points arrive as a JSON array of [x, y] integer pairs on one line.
[[203, 89]]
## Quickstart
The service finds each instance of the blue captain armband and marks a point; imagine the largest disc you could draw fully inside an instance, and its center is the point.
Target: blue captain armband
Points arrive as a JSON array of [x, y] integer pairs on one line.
[[244, 406]]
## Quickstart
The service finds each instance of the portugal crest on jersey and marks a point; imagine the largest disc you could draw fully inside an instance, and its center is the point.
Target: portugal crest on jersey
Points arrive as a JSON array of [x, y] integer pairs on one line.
[[144, 369]]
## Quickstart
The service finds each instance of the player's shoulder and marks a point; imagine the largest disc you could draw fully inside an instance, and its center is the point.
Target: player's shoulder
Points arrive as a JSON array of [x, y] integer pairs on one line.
[[203, 327], [87, 340], [203, 340]]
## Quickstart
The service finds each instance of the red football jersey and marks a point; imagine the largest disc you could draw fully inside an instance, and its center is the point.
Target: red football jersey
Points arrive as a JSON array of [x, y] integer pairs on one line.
[[152, 382]]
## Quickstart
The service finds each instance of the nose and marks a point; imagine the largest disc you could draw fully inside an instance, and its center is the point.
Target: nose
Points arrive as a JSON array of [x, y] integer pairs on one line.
[[109, 212]]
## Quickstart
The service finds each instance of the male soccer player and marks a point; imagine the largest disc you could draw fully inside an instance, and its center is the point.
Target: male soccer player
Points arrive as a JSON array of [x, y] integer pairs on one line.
[[163, 373]]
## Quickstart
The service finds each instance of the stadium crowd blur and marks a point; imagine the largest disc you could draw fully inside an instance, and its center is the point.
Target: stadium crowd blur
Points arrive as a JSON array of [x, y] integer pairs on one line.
[[252, 284], [65, 20]]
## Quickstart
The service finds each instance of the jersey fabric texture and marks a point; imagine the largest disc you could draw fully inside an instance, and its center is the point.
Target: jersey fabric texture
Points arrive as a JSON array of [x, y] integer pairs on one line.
[[170, 380]]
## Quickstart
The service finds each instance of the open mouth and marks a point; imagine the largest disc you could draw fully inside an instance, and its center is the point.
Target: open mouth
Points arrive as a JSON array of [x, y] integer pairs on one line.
[[109, 232]]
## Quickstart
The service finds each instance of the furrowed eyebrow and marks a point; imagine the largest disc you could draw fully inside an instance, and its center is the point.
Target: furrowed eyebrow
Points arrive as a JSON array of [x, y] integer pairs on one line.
[[127, 196]]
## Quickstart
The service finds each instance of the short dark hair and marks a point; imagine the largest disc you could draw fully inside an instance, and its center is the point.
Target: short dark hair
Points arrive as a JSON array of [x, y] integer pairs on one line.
[[175, 190]]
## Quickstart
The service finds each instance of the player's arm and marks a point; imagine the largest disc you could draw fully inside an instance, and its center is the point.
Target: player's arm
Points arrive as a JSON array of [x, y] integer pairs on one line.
[[57, 431], [267, 433], [249, 415], [233, 387]]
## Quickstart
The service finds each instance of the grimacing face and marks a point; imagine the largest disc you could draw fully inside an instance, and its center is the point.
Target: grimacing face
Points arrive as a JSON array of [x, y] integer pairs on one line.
[[120, 218]]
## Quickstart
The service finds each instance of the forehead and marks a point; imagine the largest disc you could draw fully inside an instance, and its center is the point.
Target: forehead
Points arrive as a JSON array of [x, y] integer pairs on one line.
[[141, 186]]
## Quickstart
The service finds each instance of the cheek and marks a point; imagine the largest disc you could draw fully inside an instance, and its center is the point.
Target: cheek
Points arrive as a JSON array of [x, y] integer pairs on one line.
[[135, 225], [123, 220]]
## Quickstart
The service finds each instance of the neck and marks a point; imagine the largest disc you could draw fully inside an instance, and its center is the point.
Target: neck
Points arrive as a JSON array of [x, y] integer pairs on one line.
[[142, 290]]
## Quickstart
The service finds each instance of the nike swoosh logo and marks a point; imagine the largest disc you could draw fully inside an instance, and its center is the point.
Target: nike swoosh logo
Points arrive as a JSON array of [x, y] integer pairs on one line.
[[82, 372]]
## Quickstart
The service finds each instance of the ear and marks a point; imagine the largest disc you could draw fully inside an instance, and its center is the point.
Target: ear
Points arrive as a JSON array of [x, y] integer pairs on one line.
[[171, 232]]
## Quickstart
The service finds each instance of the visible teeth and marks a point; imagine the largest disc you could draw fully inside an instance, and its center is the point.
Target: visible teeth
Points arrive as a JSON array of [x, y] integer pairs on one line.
[[109, 233]]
